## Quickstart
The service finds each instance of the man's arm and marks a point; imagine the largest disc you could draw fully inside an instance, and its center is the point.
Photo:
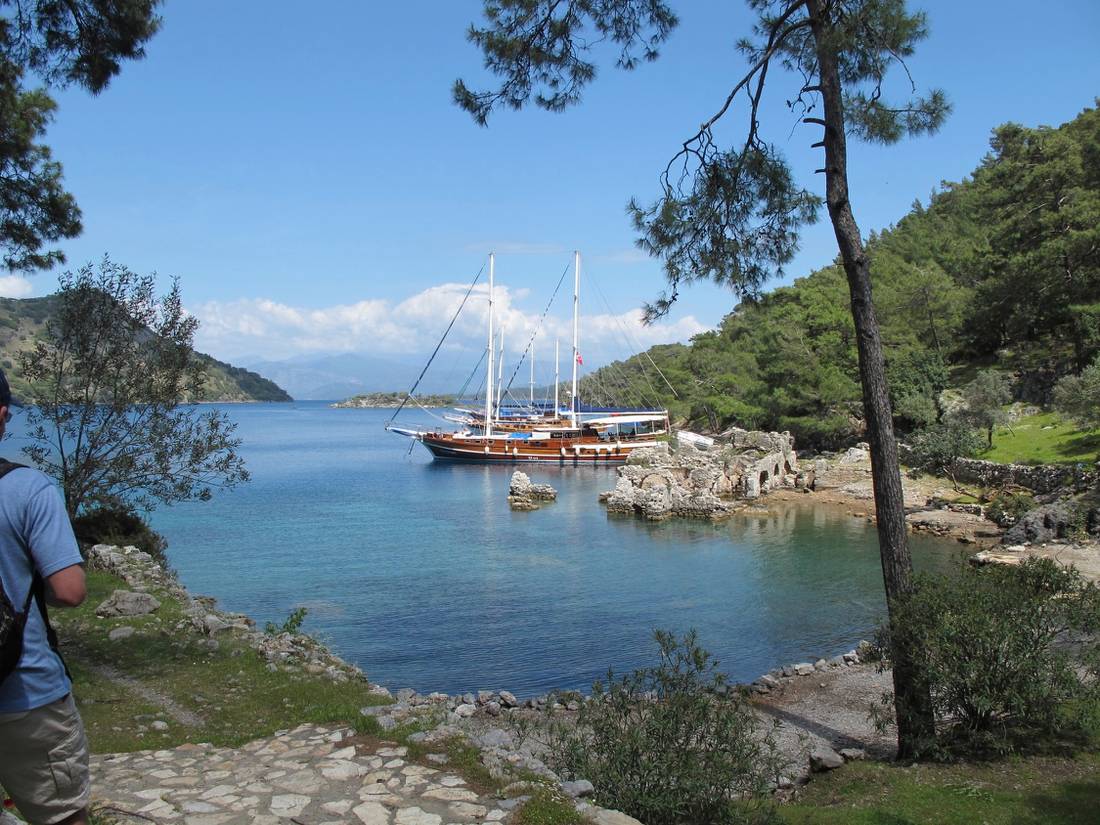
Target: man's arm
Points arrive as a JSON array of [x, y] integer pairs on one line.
[[66, 587]]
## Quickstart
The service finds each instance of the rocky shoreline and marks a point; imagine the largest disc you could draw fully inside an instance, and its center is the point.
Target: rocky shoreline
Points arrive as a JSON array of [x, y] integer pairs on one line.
[[492, 721]]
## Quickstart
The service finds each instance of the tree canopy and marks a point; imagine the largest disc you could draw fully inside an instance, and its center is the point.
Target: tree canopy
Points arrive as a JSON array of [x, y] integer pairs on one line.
[[109, 378], [56, 43]]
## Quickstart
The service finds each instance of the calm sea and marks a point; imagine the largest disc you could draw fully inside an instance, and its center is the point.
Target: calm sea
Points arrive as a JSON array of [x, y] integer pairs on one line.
[[420, 573]]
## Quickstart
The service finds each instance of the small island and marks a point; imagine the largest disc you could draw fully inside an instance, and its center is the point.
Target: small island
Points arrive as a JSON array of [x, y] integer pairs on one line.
[[384, 400]]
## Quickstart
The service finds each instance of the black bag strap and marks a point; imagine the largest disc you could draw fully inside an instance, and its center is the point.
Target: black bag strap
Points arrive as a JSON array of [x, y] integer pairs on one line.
[[38, 585]]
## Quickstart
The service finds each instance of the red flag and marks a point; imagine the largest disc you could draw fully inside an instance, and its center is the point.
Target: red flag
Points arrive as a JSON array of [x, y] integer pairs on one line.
[[579, 359]]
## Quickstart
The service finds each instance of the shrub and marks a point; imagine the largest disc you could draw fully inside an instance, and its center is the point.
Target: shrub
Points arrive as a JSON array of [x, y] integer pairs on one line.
[[121, 527], [938, 448], [664, 745], [293, 623], [1005, 508], [1006, 651]]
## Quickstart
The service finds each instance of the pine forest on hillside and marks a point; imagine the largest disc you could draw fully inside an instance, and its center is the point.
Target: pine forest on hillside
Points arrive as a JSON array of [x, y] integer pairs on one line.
[[1001, 270]]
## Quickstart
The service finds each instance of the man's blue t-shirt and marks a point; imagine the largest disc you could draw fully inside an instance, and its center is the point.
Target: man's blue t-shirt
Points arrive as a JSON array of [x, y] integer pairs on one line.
[[32, 517]]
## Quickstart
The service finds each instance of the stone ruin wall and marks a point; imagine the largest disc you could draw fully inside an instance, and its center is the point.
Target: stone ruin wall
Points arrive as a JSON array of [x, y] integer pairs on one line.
[[704, 481]]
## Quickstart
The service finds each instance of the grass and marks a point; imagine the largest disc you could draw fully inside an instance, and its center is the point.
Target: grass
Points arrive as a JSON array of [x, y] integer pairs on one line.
[[1043, 439], [230, 688], [548, 807], [1016, 791]]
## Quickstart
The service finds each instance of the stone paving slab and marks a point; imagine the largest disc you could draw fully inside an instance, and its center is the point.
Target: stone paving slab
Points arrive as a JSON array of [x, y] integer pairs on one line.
[[307, 776]]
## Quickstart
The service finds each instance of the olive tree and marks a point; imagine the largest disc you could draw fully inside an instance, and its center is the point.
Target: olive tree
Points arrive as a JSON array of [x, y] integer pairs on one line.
[[730, 211], [108, 379]]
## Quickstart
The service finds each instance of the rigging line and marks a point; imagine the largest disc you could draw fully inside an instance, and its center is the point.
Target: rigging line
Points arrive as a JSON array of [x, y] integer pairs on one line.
[[542, 318], [473, 372], [634, 342], [435, 352]]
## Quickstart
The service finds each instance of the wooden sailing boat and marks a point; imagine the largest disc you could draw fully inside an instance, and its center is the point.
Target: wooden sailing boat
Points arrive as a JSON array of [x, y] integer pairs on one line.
[[563, 436]]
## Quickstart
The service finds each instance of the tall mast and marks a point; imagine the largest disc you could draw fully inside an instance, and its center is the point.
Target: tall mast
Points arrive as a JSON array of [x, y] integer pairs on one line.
[[574, 404], [500, 369], [531, 400], [489, 373], [557, 379]]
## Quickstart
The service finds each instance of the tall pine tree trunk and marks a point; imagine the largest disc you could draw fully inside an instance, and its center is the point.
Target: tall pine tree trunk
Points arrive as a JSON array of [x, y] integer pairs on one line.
[[912, 701]]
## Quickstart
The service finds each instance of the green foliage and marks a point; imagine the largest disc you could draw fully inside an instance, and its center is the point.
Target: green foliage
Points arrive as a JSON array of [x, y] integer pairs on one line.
[[1078, 396], [985, 398], [992, 644], [108, 377], [293, 623], [939, 447], [23, 322], [1005, 508], [547, 807], [81, 42], [1045, 438], [624, 742], [122, 528]]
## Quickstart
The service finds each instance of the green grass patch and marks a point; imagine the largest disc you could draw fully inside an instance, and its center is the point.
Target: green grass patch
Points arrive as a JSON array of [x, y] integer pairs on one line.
[[229, 688], [1043, 439], [548, 807], [1013, 792]]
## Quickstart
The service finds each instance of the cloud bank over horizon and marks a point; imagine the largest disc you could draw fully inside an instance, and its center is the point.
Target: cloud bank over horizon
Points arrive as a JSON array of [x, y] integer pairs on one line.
[[260, 327]]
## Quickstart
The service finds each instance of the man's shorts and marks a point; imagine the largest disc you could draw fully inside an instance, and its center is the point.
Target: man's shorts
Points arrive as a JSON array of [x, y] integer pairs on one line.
[[44, 761]]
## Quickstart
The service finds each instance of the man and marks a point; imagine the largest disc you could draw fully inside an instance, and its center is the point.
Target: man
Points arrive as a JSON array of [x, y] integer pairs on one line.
[[43, 750]]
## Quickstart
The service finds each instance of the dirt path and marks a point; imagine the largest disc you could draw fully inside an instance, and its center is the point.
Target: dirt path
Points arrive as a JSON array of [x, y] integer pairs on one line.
[[153, 697]]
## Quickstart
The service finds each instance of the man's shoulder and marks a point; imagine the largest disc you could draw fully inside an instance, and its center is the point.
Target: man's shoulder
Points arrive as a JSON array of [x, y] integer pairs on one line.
[[24, 479]]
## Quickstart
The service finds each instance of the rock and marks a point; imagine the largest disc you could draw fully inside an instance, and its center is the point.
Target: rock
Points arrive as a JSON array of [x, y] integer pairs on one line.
[[1046, 523], [606, 817], [212, 623], [127, 603], [405, 694], [120, 633], [578, 788], [465, 710], [160, 724], [492, 708], [508, 699], [803, 669], [494, 738], [824, 758], [853, 754], [524, 495]]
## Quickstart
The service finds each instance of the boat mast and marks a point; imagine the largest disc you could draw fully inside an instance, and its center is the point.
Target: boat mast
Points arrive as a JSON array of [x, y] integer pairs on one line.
[[557, 379], [500, 369], [531, 400], [489, 373], [574, 405]]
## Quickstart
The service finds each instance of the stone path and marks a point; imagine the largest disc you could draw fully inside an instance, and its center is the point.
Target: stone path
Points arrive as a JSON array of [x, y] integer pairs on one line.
[[309, 775]]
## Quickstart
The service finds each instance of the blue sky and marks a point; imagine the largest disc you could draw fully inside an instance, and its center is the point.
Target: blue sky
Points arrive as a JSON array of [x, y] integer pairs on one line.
[[303, 171]]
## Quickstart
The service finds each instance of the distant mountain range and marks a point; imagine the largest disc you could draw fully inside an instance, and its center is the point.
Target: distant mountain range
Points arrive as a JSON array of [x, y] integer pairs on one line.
[[335, 377], [22, 321]]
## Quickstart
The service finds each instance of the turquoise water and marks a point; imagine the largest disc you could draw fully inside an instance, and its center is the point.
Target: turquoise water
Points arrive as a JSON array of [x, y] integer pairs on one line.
[[420, 573]]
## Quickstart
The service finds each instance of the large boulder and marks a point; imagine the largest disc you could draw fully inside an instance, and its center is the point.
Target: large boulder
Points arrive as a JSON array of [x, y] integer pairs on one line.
[[1046, 523], [127, 603]]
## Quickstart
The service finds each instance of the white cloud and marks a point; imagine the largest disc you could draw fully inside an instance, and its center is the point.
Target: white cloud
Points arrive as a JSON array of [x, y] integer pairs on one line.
[[273, 330], [15, 286]]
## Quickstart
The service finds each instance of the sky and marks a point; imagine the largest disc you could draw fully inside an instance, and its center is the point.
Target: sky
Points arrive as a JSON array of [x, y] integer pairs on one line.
[[303, 172]]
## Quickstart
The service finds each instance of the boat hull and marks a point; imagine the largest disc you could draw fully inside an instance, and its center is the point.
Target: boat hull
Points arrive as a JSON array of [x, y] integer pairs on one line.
[[449, 449]]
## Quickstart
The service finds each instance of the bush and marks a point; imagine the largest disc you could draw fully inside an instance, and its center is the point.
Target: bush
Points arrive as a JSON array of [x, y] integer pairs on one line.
[[664, 745], [110, 525], [1006, 651], [938, 448], [293, 623], [1005, 508]]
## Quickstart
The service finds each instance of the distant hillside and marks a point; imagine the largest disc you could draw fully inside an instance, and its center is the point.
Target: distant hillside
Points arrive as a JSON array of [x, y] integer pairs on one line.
[[22, 320], [395, 399]]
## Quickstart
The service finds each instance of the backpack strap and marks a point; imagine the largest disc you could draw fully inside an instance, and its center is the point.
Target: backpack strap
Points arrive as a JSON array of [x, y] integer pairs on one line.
[[37, 590]]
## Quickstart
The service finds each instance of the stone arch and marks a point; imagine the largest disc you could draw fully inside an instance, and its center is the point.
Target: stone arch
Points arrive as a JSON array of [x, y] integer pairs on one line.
[[775, 471], [763, 480], [787, 467]]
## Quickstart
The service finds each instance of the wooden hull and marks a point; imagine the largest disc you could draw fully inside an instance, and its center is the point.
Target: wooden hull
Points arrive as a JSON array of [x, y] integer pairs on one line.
[[506, 451]]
